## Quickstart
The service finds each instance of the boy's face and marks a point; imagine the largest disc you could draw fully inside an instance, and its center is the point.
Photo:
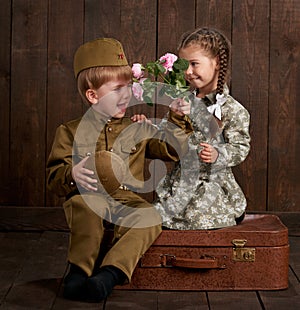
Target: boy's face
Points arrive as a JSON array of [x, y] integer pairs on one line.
[[111, 98]]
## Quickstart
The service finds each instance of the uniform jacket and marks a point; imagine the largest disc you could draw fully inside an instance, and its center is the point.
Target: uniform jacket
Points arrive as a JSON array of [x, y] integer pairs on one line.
[[132, 142], [197, 195]]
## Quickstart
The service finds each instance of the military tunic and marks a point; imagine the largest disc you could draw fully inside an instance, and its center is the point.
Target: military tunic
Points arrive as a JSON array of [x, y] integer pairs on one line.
[[197, 195], [85, 211]]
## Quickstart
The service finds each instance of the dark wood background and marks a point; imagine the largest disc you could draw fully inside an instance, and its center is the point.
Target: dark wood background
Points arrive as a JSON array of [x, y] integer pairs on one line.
[[37, 89]]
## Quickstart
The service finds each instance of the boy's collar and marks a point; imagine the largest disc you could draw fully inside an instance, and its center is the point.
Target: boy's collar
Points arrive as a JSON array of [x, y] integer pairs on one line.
[[103, 118]]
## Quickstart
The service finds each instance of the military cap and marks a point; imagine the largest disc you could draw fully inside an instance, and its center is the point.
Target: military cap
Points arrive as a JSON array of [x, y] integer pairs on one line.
[[103, 52], [109, 168]]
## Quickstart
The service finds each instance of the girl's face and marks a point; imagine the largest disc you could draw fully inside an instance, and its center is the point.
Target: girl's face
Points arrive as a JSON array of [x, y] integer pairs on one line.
[[111, 98], [203, 70]]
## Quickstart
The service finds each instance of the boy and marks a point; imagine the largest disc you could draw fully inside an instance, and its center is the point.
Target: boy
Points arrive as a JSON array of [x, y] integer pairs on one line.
[[118, 146]]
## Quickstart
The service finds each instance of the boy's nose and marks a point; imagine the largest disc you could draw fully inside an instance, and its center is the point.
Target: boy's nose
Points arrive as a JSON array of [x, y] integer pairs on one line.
[[128, 91], [124, 91]]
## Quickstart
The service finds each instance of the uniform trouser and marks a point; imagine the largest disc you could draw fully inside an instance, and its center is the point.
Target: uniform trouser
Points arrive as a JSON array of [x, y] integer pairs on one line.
[[137, 225]]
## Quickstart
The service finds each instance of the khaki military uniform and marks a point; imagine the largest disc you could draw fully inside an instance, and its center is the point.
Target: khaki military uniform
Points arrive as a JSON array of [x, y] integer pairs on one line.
[[137, 223], [197, 195]]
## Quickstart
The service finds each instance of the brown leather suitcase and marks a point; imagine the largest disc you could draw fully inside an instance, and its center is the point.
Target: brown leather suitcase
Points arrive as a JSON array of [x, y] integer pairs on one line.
[[252, 255]]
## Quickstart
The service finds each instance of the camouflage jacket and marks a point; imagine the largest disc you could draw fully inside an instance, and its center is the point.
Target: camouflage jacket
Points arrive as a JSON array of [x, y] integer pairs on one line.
[[196, 195]]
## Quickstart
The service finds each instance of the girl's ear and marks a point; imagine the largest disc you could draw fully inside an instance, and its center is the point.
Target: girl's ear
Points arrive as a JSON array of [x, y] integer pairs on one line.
[[91, 96]]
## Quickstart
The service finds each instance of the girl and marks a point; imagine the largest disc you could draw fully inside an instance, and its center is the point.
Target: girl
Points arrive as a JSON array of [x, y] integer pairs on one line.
[[201, 192]]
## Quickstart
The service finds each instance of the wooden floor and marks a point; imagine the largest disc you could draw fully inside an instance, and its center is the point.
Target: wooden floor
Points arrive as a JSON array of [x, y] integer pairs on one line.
[[33, 264]]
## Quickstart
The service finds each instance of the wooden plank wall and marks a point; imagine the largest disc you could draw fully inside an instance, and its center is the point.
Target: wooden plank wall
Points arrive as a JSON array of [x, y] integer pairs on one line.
[[37, 89]]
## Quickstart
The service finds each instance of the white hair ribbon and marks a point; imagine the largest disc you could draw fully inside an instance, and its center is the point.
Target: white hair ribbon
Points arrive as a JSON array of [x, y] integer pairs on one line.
[[215, 109]]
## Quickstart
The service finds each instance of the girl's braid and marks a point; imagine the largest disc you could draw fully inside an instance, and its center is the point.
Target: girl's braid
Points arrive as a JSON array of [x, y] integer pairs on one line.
[[216, 45], [224, 55]]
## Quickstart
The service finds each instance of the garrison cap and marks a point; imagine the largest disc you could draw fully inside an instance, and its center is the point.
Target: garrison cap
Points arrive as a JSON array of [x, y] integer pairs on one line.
[[103, 52], [109, 168]]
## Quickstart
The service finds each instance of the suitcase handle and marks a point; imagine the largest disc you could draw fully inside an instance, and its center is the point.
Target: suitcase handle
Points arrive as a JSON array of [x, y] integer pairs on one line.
[[205, 262]]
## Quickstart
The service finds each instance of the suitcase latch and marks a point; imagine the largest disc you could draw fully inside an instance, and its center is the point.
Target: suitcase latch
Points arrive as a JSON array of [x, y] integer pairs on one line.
[[242, 254]]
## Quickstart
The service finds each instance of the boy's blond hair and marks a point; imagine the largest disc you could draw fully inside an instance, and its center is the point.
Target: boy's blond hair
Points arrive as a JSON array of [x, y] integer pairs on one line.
[[94, 78]]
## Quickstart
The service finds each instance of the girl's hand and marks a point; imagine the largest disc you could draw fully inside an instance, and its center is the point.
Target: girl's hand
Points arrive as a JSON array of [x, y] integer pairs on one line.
[[208, 154], [82, 176], [180, 107], [140, 118]]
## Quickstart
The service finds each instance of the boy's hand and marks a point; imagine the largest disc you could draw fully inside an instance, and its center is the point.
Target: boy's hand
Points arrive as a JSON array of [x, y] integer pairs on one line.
[[180, 107], [139, 118], [82, 176], [208, 154]]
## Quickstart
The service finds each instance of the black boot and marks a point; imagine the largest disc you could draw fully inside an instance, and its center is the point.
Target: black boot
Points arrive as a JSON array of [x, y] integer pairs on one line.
[[240, 219], [75, 284], [101, 285]]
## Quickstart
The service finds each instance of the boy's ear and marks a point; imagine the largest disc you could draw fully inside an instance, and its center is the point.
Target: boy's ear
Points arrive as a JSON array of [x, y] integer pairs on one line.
[[91, 96]]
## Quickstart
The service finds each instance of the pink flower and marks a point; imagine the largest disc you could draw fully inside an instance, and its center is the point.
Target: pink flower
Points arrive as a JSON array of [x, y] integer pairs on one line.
[[137, 71], [137, 90], [168, 60]]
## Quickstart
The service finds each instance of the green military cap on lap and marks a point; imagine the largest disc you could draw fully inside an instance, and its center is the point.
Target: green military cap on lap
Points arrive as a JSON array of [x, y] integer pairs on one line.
[[110, 170], [103, 52]]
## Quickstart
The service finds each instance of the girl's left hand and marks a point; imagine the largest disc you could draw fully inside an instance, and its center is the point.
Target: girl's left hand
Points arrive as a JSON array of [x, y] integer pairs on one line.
[[180, 107], [208, 154], [139, 118]]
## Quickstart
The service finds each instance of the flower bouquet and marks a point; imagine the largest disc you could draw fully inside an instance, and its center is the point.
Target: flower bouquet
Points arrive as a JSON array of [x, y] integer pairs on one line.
[[167, 72]]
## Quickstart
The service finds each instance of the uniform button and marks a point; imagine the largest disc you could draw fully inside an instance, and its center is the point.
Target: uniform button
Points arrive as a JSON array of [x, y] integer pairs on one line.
[[109, 121], [111, 149], [72, 183], [109, 129]]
